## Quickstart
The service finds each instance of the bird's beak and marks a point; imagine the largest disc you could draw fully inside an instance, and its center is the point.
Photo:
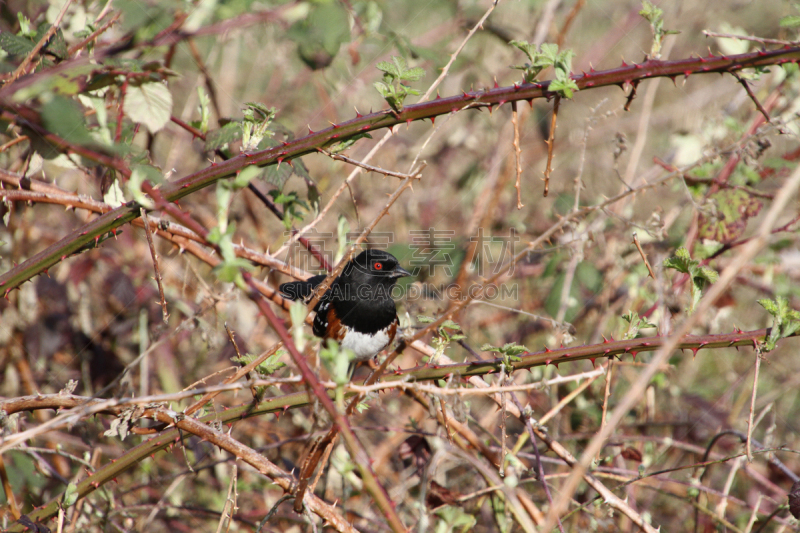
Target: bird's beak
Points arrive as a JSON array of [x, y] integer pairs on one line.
[[400, 272]]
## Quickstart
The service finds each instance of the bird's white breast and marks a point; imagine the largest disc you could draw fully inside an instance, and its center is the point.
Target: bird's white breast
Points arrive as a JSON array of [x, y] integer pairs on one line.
[[365, 346]]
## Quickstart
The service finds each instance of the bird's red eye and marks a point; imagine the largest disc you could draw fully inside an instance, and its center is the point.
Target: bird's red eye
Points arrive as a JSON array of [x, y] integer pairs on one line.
[[378, 266]]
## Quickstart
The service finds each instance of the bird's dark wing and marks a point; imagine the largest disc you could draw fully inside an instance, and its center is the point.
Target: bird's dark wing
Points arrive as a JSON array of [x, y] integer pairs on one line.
[[300, 290]]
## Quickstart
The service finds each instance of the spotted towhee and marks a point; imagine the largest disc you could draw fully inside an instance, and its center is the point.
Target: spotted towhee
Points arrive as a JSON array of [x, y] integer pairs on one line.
[[357, 311]]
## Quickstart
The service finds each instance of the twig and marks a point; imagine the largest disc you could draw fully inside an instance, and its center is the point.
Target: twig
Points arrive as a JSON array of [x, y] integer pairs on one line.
[[229, 509], [12, 142], [726, 490], [549, 142], [20, 70], [644, 257], [340, 157], [756, 369], [212, 92], [631, 96], [567, 399], [606, 395], [517, 154], [762, 40], [573, 13], [752, 96], [539, 465], [94, 35], [545, 20], [164, 313], [454, 55]]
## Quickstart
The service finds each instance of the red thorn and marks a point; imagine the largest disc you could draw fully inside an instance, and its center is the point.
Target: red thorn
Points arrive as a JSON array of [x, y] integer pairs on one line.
[[433, 119], [495, 84], [694, 352], [516, 86], [335, 136], [605, 341], [290, 163], [547, 350], [310, 131], [408, 121], [624, 64], [547, 362], [592, 359], [96, 239]]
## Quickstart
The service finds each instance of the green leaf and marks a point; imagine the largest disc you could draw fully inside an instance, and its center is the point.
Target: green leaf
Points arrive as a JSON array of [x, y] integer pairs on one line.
[[392, 87], [70, 495], [114, 196], [140, 173], [230, 269], [564, 88], [701, 276], [635, 323], [56, 45], [227, 134], [63, 116], [298, 312], [422, 319], [791, 21], [321, 34], [336, 147], [268, 367], [245, 176], [149, 104], [785, 321], [14, 45], [727, 219]]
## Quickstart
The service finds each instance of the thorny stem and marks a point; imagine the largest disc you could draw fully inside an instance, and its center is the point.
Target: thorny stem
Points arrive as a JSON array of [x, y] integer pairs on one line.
[[384, 119]]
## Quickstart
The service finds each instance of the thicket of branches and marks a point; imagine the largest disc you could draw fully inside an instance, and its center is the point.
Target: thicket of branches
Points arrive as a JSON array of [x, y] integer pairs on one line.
[[606, 265]]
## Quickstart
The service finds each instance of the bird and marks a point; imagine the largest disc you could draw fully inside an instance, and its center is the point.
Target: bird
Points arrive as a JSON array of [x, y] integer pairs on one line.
[[357, 311]]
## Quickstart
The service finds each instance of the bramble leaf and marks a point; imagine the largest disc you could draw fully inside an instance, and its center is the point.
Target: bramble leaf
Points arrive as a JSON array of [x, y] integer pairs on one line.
[[785, 321]]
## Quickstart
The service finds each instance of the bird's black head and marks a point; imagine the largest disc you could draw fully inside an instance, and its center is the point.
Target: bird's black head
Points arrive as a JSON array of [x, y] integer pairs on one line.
[[375, 267]]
